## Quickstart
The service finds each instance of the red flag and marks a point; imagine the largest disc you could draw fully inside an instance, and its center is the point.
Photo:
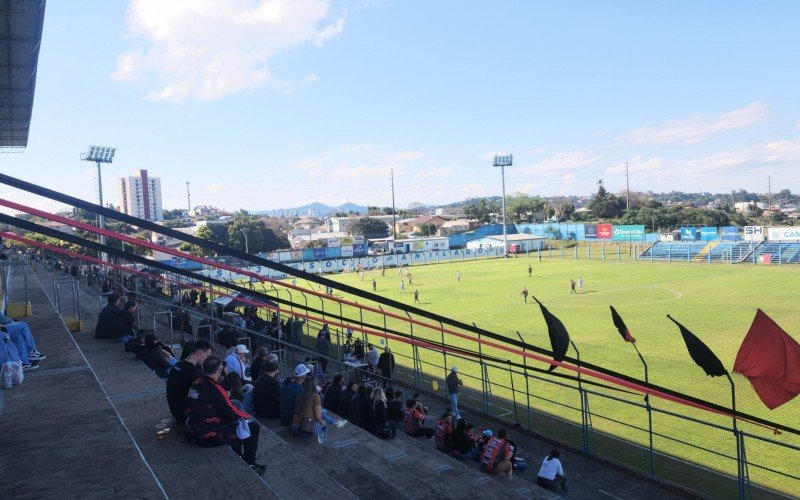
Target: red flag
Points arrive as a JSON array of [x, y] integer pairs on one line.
[[770, 359]]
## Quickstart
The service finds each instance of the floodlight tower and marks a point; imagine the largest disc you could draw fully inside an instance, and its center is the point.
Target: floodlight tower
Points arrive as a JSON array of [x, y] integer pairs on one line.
[[100, 154], [503, 162]]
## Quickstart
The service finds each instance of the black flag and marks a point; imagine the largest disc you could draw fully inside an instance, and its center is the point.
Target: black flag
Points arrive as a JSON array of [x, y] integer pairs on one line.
[[700, 353], [621, 328], [559, 338]]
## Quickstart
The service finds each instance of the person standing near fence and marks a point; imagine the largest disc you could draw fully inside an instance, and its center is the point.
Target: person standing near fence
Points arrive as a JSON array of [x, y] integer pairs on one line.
[[452, 390], [386, 365]]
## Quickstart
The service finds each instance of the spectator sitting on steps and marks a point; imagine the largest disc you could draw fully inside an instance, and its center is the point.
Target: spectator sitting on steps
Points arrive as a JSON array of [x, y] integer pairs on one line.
[[333, 393], [464, 441], [105, 321], [19, 334], [354, 411], [443, 433], [290, 389], [496, 456], [155, 356], [267, 392], [182, 375], [379, 424], [343, 407], [211, 418], [310, 418], [551, 474], [394, 408], [414, 420]]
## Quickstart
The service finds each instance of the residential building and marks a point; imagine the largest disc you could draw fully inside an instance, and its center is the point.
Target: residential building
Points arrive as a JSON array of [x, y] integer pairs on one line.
[[141, 196]]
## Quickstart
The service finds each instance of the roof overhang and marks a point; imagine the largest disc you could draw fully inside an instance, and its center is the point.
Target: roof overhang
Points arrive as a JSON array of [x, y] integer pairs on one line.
[[21, 24]]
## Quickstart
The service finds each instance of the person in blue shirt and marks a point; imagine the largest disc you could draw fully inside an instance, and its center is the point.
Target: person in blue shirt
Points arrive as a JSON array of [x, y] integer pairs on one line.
[[290, 389]]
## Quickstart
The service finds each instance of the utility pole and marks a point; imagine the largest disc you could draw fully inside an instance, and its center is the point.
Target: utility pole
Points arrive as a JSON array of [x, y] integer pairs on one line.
[[769, 195], [394, 212], [188, 198], [627, 189]]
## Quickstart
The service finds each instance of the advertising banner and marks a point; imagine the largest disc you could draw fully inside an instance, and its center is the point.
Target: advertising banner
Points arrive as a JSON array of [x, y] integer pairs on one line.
[[329, 266], [334, 242], [347, 251], [590, 231], [784, 234], [399, 247], [343, 264], [297, 255], [417, 246], [628, 233], [729, 233], [285, 256], [754, 233], [605, 231], [688, 233], [358, 240], [360, 250], [708, 233], [311, 267], [319, 253], [389, 260]]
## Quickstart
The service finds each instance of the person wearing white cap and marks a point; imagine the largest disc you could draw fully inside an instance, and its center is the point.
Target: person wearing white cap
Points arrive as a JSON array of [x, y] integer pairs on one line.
[[452, 390], [290, 389], [236, 360]]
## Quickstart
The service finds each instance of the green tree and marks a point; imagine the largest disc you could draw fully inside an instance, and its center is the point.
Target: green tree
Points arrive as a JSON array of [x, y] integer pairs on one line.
[[523, 208], [427, 229], [605, 205], [481, 210], [369, 228]]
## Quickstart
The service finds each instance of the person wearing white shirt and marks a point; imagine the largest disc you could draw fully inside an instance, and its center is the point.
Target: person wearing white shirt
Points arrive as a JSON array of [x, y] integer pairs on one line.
[[236, 361], [551, 474], [372, 357]]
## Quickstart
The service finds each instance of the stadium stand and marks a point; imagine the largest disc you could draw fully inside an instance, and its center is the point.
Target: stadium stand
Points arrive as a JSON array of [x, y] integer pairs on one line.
[[719, 251], [779, 252]]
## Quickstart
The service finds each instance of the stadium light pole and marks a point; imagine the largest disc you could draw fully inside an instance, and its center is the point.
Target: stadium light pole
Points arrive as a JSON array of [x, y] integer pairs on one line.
[[98, 155], [503, 162]]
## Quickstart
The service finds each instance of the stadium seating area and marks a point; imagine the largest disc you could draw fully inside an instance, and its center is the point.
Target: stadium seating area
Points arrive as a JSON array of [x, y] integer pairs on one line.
[[779, 252], [720, 251]]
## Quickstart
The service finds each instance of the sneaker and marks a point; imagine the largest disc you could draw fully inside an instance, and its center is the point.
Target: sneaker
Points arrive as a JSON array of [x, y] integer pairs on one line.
[[340, 423], [37, 356], [258, 468], [321, 438], [29, 366]]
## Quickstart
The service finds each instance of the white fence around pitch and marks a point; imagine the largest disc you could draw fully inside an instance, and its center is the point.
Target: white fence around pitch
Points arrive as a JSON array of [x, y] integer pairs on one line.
[[346, 265]]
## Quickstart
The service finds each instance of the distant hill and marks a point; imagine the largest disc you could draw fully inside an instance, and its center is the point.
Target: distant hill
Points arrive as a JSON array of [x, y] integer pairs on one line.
[[312, 209]]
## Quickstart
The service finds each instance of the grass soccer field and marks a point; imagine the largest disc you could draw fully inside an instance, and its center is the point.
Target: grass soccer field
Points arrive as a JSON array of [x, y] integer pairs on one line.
[[717, 302]]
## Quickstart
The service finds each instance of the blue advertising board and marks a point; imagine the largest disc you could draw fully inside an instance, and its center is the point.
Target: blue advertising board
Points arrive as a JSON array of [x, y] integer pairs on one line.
[[729, 233], [688, 233], [360, 250], [319, 253], [590, 231], [708, 233]]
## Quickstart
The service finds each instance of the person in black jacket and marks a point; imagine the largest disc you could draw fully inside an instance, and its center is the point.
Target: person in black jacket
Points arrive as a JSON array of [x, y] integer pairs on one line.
[[332, 394], [211, 418], [183, 374], [378, 422], [394, 410], [106, 319], [366, 406], [354, 412], [386, 365], [267, 392], [343, 408], [125, 323], [155, 357]]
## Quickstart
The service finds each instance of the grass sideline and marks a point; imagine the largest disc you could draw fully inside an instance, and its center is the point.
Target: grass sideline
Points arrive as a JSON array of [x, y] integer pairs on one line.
[[717, 302]]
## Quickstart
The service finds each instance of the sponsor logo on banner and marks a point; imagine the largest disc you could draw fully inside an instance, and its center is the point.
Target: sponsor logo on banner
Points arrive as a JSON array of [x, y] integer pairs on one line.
[[319, 253], [784, 234], [590, 231], [688, 233], [347, 251], [605, 231], [729, 233], [358, 240], [360, 250], [708, 233], [753, 233], [399, 247], [334, 242], [628, 233], [417, 245]]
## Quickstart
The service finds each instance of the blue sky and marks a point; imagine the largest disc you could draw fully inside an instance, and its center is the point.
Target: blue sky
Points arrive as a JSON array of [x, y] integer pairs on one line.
[[266, 104]]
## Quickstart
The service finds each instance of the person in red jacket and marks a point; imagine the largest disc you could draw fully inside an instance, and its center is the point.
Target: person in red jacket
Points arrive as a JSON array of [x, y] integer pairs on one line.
[[414, 420], [443, 433], [211, 418], [496, 456]]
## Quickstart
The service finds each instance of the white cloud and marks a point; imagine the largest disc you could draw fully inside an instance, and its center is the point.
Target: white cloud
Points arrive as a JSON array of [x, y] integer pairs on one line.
[[797, 127], [569, 177], [207, 49], [491, 154], [637, 164], [561, 161], [434, 173], [697, 128], [401, 156]]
